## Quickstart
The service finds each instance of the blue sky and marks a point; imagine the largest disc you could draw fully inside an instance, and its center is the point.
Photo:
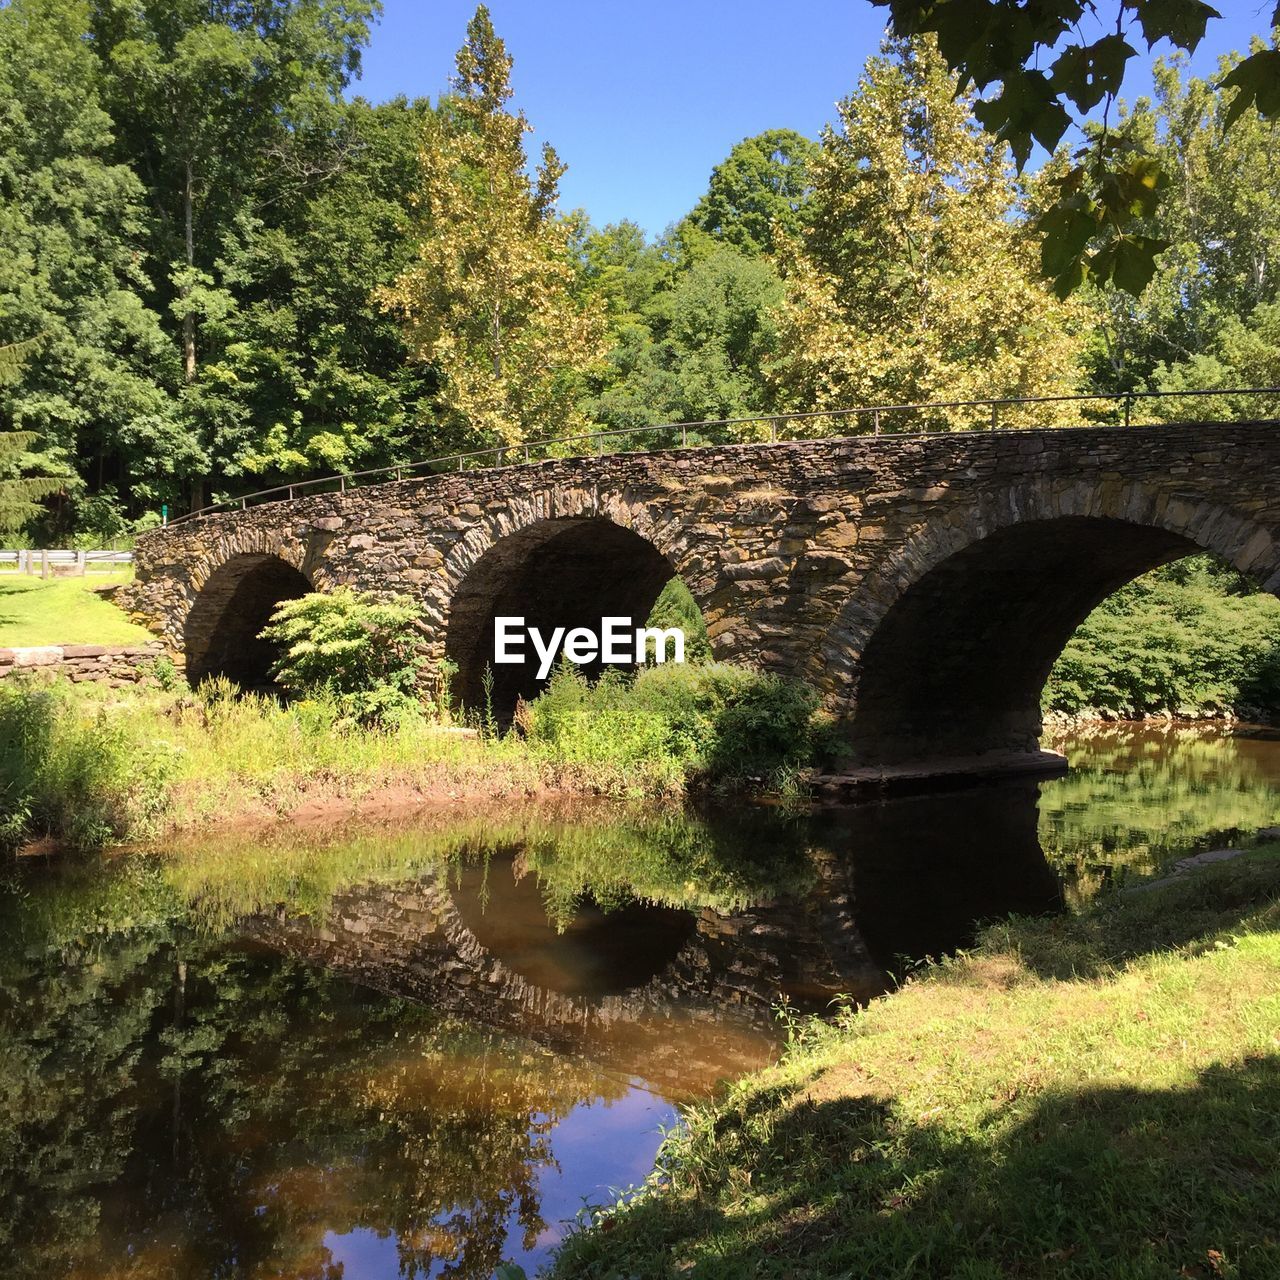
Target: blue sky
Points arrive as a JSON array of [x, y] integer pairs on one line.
[[641, 102]]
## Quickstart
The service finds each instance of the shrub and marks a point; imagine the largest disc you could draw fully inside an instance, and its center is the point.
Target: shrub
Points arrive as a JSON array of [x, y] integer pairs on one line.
[[676, 607], [712, 723], [1186, 640], [355, 646], [165, 673]]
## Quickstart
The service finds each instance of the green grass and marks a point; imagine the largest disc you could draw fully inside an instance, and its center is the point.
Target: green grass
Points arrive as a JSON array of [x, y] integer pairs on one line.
[[1083, 1098], [36, 611], [85, 765]]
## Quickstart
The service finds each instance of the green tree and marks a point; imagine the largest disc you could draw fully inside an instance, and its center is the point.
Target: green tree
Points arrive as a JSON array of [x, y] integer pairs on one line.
[[1096, 228], [489, 298], [1244, 352], [620, 268], [676, 607], [1190, 639], [912, 279], [721, 335], [225, 111], [311, 374], [1220, 216], [760, 188], [73, 227], [698, 348], [631, 279], [20, 495]]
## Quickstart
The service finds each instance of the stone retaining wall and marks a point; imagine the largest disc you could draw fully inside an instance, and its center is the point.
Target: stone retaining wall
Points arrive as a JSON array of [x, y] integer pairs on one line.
[[116, 665]]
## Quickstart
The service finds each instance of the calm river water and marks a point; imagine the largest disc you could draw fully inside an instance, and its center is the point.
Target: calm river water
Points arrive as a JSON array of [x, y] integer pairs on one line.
[[416, 1051]]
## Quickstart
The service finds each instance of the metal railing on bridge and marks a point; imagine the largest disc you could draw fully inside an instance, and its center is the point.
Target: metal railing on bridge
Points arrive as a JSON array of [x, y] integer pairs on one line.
[[1100, 409]]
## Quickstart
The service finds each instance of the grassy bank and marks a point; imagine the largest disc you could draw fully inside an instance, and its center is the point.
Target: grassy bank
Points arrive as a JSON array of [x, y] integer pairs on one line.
[[85, 766], [36, 611], [1089, 1096]]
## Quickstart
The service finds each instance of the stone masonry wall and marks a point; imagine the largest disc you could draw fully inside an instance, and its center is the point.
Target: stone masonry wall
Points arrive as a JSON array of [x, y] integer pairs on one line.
[[117, 666], [797, 552]]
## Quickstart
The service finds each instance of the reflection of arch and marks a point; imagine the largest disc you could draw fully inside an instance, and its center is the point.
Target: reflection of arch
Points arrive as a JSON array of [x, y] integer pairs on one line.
[[594, 954], [568, 571], [708, 1012], [950, 644], [926, 870], [234, 604]]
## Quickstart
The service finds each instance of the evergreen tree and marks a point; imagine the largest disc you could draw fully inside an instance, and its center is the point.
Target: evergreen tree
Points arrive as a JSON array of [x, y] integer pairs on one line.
[[20, 496]]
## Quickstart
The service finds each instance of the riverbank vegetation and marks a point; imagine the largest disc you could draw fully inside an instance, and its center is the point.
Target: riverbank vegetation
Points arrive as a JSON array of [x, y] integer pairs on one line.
[[610, 854], [1094, 1096], [1189, 641], [84, 765]]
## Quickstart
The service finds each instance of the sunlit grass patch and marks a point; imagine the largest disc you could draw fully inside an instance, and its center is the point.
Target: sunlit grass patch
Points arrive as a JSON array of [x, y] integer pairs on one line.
[[174, 759], [36, 611]]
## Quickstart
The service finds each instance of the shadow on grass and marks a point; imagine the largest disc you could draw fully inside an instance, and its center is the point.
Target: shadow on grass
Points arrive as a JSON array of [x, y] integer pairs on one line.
[[1093, 1184], [7, 618]]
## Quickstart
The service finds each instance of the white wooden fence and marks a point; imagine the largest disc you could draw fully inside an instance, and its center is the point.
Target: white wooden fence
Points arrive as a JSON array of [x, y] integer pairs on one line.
[[50, 564]]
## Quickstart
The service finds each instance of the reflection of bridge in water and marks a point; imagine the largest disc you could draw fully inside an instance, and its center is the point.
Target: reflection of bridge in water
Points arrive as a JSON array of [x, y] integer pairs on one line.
[[684, 997]]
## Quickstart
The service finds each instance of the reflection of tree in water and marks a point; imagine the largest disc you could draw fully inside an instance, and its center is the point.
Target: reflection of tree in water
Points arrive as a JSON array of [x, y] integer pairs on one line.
[[225, 1121], [1145, 795], [72, 1023], [228, 1120], [170, 1099], [668, 856]]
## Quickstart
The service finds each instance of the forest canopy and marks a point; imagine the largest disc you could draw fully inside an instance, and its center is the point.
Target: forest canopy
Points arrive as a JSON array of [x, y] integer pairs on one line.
[[225, 270]]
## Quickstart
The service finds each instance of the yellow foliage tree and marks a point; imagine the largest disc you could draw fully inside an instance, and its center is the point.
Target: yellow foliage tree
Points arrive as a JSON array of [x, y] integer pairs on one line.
[[913, 280], [488, 299]]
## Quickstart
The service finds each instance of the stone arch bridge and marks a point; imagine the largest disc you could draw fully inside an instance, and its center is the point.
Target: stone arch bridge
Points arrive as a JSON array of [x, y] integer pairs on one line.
[[924, 585]]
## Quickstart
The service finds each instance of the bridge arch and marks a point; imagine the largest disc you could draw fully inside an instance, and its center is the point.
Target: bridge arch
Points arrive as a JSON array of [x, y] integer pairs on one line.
[[946, 650], [234, 601], [556, 564]]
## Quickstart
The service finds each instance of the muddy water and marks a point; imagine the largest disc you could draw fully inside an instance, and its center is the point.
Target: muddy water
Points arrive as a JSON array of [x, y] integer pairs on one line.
[[403, 1051]]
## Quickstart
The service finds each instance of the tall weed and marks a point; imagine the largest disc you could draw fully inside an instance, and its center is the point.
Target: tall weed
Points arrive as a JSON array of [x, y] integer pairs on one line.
[[713, 725], [73, 768]]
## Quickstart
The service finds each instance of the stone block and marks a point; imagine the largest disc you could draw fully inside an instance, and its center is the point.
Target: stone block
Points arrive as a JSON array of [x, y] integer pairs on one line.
[[42, 656], [747, 569]]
